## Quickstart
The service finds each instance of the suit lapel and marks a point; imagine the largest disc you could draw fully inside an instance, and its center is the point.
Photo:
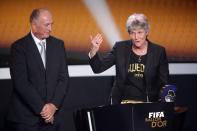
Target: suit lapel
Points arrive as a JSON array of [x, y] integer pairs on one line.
[[127, 55], [35, 52], [148, 61], [49, 49]]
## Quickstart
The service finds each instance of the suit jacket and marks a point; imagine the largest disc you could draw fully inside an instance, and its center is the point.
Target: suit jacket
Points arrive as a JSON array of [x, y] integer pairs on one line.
[[156, 70], [34, 85]]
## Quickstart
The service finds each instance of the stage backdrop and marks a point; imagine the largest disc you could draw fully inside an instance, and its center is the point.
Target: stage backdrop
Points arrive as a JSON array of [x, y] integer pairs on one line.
[[173, 24]]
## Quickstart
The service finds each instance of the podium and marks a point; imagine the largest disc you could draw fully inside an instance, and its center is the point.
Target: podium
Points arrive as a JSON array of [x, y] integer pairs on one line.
[[127, 117]]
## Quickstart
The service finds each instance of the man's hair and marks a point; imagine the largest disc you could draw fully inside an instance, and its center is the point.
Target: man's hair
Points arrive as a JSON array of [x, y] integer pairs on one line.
[[35, 14]]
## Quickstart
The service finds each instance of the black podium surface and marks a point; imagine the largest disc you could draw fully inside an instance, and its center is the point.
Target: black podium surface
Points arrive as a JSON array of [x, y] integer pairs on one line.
[[127, 117]]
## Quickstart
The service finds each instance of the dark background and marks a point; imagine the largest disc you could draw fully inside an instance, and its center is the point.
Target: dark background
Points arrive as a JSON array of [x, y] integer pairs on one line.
[[87, 92]]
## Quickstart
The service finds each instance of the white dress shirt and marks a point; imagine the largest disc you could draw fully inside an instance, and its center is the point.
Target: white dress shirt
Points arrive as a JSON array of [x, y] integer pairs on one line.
[[37, 41]]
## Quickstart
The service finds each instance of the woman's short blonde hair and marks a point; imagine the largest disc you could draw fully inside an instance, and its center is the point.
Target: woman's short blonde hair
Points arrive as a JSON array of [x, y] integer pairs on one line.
[[137, 21]]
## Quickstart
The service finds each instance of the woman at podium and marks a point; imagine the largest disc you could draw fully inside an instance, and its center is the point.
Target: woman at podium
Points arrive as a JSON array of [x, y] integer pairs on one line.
[[141, 65]]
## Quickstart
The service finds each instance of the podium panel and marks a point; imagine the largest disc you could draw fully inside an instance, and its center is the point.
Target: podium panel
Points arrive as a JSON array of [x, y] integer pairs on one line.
[[153, 117], [127, 117]]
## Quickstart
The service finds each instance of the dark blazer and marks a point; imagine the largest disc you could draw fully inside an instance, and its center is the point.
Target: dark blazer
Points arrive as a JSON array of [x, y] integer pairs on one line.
[[33, 85], [156, 70]]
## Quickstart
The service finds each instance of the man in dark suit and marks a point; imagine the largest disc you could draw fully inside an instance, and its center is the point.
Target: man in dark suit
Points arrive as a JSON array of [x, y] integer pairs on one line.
[[40, 77], [141, 66]]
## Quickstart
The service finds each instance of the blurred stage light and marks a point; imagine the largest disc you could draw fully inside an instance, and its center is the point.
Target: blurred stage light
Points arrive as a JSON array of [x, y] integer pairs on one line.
[[101, 13]]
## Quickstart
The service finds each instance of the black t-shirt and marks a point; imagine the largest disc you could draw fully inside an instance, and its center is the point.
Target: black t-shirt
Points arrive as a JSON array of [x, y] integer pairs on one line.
[[135, 86]]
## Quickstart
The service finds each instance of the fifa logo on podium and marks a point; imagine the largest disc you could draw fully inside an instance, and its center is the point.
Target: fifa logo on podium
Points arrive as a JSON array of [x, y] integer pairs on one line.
[[156, 119], [155, 114]]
